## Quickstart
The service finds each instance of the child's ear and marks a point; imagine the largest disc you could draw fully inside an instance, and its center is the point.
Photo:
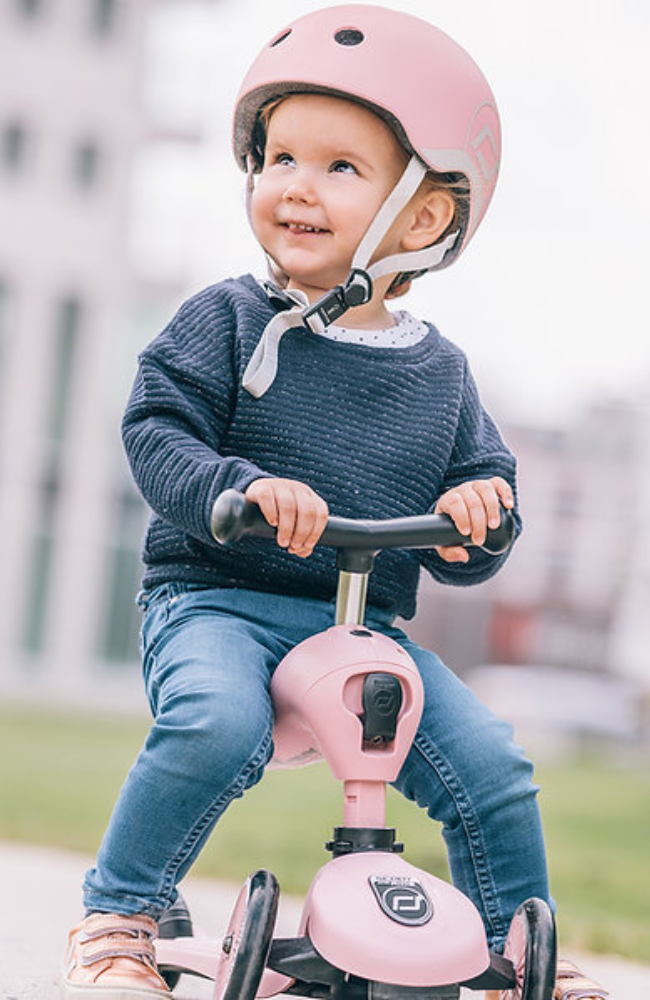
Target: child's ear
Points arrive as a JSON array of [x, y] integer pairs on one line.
[[432, 213]]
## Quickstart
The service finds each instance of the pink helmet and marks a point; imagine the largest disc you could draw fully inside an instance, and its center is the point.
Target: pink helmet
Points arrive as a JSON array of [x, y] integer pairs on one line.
[[429, 90]]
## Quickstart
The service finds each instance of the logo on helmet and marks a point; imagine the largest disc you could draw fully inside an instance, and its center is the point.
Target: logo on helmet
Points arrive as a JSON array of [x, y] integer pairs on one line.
[[402, 899], [486, 152], [485, 141]]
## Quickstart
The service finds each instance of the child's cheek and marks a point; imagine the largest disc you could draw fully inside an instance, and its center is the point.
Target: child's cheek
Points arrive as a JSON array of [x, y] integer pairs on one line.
[[257, 212]]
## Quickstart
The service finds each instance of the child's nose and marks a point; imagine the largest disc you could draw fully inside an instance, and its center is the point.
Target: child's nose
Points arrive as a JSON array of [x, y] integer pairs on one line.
[[300, 188]]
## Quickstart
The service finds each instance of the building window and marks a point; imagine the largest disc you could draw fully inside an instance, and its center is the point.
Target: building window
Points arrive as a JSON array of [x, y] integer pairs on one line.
[[119, 632], [43, 556], [29, 8], [85, 164], [4, 308], [13, 147], [68, 328], [5, 303], [103, 17], [41, 564]]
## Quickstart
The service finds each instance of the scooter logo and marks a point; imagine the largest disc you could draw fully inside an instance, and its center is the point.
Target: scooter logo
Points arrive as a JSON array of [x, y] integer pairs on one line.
[[402, 899]]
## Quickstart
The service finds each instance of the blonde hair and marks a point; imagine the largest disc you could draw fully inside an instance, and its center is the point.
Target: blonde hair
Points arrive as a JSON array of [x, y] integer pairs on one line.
[[260, 130]]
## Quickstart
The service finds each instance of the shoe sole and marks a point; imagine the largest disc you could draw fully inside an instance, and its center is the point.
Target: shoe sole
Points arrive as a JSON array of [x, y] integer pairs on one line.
[[83, 991]]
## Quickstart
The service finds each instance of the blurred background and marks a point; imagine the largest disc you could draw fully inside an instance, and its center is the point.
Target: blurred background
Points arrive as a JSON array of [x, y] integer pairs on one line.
[[119, 196]]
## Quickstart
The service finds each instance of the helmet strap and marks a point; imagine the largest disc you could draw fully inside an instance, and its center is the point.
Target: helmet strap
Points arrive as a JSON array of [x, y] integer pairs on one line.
[[398, 199], [263, 365], [416, 260]]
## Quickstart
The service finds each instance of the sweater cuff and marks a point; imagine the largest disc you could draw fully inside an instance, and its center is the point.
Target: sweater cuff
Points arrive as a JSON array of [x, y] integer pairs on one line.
[[234, 474]]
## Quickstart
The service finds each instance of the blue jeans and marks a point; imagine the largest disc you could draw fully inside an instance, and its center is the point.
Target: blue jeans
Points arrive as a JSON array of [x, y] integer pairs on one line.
[[208, 657]]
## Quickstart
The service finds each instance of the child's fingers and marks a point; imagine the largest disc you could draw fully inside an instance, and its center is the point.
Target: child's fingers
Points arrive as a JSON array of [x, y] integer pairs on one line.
[[311, 518], [490, 496], [453, 504], [274, 497], [475, 506], [294, 509], [453, 553], [504, 492], [286, 505], [466, 508], [263, 493]]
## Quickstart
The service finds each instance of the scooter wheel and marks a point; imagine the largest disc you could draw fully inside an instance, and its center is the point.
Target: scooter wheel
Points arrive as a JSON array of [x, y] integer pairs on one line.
[[175, 922], [532, 950], [245, 947]]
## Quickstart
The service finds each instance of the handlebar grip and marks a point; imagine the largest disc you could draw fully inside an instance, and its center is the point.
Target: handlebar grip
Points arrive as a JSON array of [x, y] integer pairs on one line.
[[234, 517]]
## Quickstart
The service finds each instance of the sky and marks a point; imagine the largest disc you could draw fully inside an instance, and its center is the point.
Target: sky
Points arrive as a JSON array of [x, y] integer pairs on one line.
[[549, 300]]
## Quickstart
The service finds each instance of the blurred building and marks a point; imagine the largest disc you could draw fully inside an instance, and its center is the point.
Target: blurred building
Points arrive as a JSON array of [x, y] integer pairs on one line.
[[576, 591], [73, 314], [585, 560]]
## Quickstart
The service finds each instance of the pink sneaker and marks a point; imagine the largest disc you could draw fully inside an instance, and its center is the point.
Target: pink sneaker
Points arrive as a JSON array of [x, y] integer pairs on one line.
[[572, 984], [111, 957]]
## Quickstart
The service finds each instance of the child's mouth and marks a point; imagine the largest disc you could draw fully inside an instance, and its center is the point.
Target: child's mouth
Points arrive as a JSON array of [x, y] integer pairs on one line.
[[299, 229]]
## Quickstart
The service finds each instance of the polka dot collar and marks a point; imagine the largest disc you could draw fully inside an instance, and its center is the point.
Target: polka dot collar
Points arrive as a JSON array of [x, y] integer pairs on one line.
[[406, 332]]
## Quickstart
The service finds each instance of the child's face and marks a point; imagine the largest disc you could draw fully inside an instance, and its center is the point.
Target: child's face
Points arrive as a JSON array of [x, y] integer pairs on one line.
[[329, 165]]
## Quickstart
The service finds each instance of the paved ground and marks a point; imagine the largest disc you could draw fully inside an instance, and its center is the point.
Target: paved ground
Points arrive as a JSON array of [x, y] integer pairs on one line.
[[41, 901]]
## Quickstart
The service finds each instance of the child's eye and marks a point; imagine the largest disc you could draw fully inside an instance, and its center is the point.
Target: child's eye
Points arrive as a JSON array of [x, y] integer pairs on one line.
[[343, 167], [285, 159]]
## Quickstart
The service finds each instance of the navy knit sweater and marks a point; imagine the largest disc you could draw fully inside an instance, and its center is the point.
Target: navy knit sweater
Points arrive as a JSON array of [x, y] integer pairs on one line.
[[376, 432]]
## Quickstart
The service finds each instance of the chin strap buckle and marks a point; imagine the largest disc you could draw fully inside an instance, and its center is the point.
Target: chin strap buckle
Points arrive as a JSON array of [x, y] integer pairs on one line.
[[356, 291]]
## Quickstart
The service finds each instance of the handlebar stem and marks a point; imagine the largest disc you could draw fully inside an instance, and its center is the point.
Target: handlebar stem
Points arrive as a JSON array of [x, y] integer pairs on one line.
[[351, 596]]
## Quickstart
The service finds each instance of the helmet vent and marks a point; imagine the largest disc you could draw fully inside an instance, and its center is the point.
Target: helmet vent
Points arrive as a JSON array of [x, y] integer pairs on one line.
[[281, 37], [349, 36]]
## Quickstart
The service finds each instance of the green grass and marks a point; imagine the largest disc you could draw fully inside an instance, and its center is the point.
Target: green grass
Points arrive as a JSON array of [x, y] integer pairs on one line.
[[597, 822], [60, 775]]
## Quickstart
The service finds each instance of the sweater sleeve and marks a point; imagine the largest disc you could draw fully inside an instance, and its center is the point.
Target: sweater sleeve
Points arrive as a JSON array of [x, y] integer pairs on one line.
[[479, 452], [174, 422]]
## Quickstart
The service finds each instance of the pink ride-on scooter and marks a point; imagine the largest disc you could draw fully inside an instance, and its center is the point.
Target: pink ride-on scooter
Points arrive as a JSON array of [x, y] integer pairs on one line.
[[373, 926]]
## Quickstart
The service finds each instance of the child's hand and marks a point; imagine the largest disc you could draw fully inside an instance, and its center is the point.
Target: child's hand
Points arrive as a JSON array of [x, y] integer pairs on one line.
[[298, 513], [473, 507]]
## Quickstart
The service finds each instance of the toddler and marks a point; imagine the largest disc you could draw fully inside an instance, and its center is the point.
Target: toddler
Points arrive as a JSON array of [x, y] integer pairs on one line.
[[371, 143]]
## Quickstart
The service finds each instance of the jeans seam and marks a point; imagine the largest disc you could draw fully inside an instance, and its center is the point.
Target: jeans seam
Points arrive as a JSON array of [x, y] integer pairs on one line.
[[475, 840]]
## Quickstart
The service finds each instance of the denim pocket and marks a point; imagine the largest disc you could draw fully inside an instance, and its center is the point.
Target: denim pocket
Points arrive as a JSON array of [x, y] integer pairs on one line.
[[155, 606]]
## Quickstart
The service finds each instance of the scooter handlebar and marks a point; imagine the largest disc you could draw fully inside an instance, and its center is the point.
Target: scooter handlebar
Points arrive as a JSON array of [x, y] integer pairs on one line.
[[234, 517]]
